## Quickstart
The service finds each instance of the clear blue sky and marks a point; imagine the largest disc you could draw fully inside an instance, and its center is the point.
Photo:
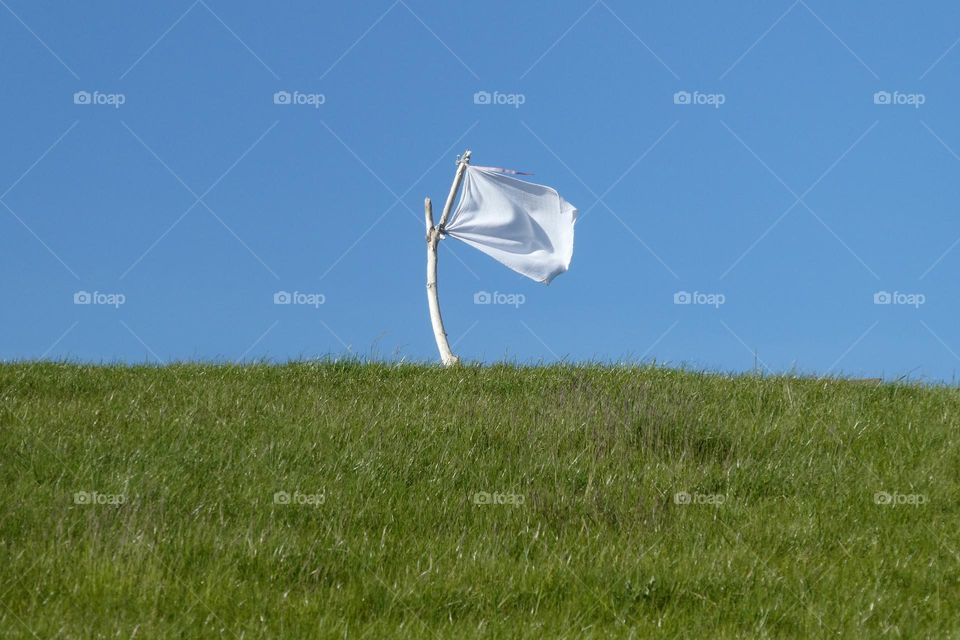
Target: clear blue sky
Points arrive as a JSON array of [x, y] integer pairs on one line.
[[782, 189]]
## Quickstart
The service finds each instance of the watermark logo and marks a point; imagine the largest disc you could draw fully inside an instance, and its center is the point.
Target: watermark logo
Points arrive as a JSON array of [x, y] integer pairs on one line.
[[510, 299], [97, 297], [485, 497], [95, 497], [697, 98], [896, 499], [685, 498], [115, 100], [301, 499], [899, 298], [496, 98], [298, 297], [914, 100], [298, 98], [698, 297]]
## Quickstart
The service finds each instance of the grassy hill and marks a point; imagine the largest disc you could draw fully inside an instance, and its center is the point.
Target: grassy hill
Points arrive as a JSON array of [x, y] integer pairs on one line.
[[370, 500]]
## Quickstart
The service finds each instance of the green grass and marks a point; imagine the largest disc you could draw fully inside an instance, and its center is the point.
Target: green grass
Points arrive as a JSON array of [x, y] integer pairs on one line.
[[395, 545]]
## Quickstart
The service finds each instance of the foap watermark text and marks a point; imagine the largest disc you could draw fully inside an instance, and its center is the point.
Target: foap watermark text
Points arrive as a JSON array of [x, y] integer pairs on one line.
[[685, 498], [97, 98], [299, 98], [700, 298], [698, 98], [896, 98], [509, 299], [496, 98], [896, 499], [99, 298], [95, 497], [298, 498], [899, 298], [485, 497], [299, 297]]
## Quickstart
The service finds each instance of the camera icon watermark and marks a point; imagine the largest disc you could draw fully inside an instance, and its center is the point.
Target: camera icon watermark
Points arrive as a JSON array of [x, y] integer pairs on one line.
[[509, 299], [894, 499], [115, 100], [314, 100], [714, 300], [899, 298], [915, 100], [714, 100], [299, 298], [99, 298], [514, 100]]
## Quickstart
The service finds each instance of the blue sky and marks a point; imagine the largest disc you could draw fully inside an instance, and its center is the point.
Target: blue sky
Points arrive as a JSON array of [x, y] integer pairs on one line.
[[789, 169]]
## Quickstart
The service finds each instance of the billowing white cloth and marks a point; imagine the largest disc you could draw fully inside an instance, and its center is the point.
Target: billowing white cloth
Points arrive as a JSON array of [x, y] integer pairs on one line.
[[525, 226]]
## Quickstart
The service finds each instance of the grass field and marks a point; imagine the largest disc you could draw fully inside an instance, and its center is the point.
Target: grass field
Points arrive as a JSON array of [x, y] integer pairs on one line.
[[370, 500]]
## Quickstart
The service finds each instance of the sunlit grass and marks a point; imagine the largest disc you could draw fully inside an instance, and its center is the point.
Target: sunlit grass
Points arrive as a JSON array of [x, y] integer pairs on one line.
[[340, 499]]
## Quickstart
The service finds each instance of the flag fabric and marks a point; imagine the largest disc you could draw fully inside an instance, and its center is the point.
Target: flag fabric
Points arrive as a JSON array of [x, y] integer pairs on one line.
[[509, 172], [527, 227]]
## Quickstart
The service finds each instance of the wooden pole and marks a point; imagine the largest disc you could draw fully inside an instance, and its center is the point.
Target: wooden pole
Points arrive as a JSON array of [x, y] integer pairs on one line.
[[457, 179], [433, 300], [433, 239]]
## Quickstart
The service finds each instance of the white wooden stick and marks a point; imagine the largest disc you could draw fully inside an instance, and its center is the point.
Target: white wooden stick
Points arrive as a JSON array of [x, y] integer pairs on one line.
[[433, 238], [433, 300], [457, 179]]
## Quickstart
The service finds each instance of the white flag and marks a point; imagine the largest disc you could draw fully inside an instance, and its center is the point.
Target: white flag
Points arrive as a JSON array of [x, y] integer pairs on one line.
[[525, 226]]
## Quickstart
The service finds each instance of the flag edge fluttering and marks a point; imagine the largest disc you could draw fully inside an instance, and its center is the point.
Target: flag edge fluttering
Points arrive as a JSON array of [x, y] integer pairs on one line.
[[564, 261]]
